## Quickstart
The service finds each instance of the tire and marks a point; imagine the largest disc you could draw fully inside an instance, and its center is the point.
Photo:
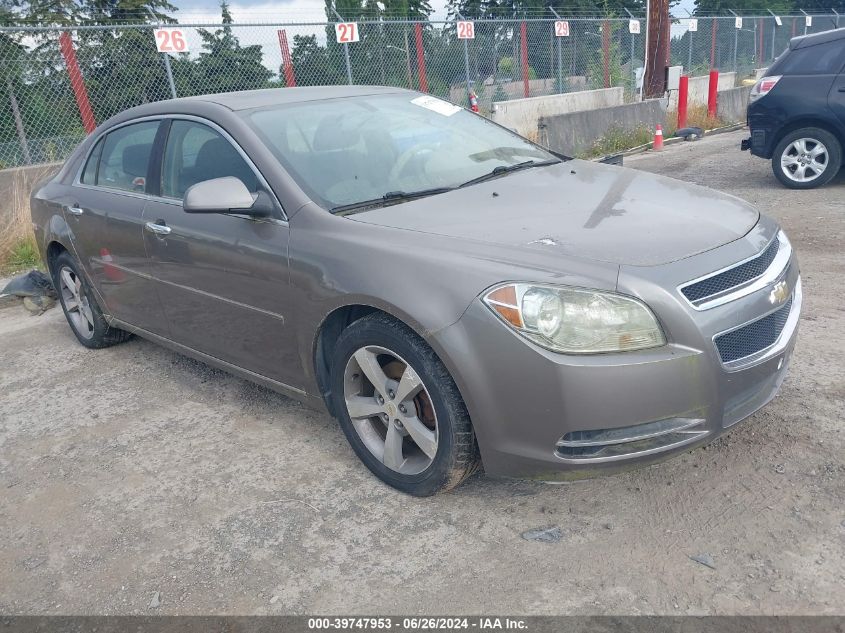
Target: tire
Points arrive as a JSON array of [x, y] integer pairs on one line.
[[81, 309], [788, 154], [394, 347]]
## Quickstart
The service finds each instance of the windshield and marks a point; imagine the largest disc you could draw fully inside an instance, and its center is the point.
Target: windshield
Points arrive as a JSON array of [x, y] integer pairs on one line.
[[343, 152]]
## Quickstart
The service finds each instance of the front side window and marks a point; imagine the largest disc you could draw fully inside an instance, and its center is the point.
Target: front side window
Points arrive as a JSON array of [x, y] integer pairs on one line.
[[196, 152], [345, 151], [125, 157]]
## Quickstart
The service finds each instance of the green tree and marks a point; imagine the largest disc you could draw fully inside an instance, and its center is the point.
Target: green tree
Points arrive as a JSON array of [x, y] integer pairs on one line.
[[224, 65], [311, 63]]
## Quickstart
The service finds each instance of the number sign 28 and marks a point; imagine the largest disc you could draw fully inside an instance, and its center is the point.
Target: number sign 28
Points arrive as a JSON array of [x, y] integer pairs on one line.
[[346, 32], [171, 41], [466, 30]]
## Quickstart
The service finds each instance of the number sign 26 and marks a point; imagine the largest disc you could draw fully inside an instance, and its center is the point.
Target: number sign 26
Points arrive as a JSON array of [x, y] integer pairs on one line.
[[346, 32], [171, 41], [466, 30]]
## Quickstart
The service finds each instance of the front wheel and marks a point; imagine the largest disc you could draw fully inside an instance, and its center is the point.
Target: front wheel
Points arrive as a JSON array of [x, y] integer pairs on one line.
[[400, 409], [807, 158]]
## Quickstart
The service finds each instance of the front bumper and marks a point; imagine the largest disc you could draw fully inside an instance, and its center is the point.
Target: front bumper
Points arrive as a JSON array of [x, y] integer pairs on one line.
[[541, 414]]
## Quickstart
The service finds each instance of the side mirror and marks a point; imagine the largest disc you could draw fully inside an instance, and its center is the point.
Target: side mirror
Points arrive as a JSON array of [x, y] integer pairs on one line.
[[225, 195]]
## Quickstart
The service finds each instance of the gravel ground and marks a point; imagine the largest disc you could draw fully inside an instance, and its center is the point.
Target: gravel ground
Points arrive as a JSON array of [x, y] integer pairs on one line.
[[137, 481]]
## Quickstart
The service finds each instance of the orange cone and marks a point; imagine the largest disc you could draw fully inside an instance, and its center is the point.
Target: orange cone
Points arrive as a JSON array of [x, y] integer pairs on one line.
[[658, 138]]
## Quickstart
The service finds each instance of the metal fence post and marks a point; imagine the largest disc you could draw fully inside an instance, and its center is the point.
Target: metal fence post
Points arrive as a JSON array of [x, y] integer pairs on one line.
[[837, 17], [466, 58], [689, 52], [633, 71], [559, 55], [713, 30], [805, 20], [736, 42], [345, 51], [166, 60], [19, 128], [169, 74]]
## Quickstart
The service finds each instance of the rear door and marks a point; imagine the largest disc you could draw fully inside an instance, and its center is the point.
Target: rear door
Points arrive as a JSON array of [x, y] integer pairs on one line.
[[836, 99], [104, 214], [222, 278]]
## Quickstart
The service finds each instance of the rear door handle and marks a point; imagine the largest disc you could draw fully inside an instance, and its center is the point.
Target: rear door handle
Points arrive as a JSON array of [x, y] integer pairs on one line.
[[842, 89], [158, 229], [73, 210]]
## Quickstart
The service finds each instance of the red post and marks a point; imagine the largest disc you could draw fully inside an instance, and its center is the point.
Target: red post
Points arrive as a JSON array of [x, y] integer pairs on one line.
[[605, 51], [523, 55], [683, 93], [76, 82], [713, 31], [793, 28], [713, 94], [421, 57], [762, 41], [287, 62]]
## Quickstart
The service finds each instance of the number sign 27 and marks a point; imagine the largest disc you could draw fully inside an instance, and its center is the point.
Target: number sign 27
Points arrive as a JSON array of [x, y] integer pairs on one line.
[[466, 30], [347, 32], [171, 41]]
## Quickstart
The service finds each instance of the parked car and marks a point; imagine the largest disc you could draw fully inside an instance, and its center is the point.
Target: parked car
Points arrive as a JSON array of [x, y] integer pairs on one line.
[[797, 111], [443, 287]]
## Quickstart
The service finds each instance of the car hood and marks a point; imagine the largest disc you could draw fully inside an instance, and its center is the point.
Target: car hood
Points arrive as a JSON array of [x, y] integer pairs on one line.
[[581, 209]]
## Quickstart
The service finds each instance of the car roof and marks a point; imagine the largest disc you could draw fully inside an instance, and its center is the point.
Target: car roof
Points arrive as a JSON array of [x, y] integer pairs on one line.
[[803, 41], [248, 99]]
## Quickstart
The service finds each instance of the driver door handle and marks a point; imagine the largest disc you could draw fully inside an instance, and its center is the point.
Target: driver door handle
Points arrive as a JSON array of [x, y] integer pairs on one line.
[[158, 229], [73, 209]]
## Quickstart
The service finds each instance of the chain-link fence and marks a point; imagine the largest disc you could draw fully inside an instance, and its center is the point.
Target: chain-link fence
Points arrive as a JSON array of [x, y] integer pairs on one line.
[[59, 83]]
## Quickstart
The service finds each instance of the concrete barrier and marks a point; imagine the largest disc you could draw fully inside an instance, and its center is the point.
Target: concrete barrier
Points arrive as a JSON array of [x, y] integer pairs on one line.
[[575, 133], [732, 104], [522, 115], [513, 89]]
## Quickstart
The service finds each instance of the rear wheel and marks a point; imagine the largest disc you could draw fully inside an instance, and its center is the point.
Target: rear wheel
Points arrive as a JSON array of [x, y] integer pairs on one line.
[[807, 158], [81, 309], [400, 408]]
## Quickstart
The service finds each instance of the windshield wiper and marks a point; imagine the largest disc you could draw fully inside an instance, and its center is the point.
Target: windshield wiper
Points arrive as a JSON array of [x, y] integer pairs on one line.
[[506, 169], [391, 197]]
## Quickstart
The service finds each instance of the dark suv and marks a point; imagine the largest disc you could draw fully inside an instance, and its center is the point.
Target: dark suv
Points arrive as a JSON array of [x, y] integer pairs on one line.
[[797, 111]]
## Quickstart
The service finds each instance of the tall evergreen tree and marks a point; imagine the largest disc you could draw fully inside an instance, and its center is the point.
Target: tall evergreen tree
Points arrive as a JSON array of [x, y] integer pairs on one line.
[[224, 65]]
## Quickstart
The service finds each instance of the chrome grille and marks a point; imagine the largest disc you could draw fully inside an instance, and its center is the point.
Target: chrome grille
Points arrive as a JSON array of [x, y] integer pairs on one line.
[[754, 337], [733, 277]]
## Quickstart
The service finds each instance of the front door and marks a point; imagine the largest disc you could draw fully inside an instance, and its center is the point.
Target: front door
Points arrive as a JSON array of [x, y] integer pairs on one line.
[[222, 278], [104, 212]]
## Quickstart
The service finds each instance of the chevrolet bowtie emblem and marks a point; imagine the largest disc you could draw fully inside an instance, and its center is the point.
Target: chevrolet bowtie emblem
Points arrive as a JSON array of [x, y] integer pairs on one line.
[[779, 293]]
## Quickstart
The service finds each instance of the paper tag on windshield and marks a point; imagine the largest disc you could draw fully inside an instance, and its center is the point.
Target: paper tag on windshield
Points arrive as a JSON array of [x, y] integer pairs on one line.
[[436, 105]]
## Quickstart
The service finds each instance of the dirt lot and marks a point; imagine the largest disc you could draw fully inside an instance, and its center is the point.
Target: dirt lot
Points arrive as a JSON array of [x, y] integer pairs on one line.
[[134, 470]]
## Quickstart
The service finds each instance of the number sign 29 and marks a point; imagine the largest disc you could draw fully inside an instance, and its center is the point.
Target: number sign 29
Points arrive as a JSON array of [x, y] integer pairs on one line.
[[171, 41], [347, 32], [466, 30], [562, 28]]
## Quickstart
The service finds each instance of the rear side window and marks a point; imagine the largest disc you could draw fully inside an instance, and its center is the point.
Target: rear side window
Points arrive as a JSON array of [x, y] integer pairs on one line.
[[125, 157], [89, 175], [822, 59], [195, 153]]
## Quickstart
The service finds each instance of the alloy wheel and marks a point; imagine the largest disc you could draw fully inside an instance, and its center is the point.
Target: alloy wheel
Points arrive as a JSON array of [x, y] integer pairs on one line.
[[76, 303], [391, 409], [804, 160]]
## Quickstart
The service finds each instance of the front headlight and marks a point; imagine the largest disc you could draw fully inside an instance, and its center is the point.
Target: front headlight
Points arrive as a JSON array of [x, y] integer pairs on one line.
[[575, 320]]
